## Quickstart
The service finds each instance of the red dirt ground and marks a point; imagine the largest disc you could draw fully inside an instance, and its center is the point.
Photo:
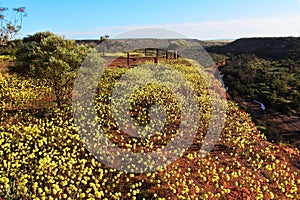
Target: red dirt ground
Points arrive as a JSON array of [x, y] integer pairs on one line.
[[121, 61]]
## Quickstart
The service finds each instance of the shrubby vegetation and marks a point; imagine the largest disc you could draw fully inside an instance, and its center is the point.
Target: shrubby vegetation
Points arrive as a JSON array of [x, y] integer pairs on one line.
[[10, 48], [51, 58], [275, 83], [218, 57]]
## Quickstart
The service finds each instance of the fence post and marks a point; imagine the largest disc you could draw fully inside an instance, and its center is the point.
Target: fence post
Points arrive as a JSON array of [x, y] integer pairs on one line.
[[128, 59], [167, 54]]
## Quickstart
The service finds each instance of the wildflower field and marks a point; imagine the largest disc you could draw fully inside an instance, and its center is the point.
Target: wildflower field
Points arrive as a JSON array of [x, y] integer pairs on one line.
[[43, 157]]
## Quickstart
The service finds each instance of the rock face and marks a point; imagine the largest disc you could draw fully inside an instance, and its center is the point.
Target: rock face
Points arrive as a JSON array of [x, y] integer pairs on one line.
[[284, 127]]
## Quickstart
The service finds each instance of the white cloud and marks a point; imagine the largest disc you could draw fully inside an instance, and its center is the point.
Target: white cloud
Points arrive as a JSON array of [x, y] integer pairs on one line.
[[230, 29]]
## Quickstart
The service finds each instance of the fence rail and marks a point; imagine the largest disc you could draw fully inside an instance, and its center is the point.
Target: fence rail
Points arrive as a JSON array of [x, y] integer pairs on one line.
[[149, 55]]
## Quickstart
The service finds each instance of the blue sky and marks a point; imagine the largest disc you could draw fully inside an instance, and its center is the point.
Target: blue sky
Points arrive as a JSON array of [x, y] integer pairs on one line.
[[202, 19]]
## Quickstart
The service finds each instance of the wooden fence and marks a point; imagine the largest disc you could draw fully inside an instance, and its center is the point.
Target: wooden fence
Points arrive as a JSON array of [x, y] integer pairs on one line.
[[149, 55]]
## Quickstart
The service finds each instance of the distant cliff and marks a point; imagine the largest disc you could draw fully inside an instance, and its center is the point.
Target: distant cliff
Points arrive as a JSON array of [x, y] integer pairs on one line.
[[267, 48]]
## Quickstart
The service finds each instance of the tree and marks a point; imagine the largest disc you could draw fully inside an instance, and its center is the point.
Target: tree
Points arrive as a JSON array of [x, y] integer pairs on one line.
[[52, 58], [10, 23], [103, 48], [103, 38]]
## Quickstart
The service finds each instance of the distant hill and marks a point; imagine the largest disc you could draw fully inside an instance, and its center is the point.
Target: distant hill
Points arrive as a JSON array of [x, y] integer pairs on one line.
[[268, 48], [272, 48], [190, 42]]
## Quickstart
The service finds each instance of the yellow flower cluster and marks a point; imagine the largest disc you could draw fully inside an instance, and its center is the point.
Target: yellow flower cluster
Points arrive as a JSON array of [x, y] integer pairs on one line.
[[18, 92]]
